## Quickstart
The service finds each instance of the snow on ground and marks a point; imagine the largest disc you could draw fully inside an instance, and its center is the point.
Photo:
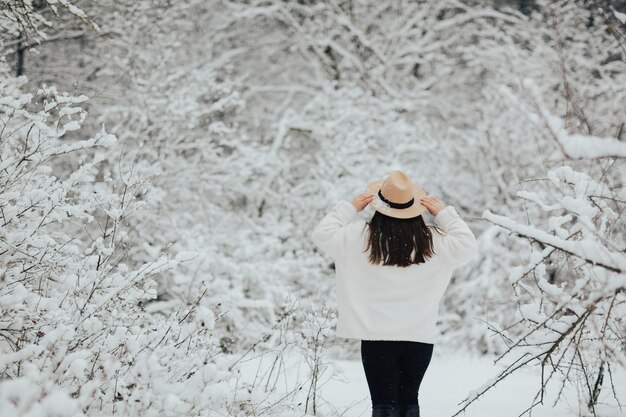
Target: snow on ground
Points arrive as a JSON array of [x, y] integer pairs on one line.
[[450, 376]]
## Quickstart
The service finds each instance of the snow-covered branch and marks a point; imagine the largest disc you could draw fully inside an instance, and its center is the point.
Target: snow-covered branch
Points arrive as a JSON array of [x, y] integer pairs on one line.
[[589, 250]]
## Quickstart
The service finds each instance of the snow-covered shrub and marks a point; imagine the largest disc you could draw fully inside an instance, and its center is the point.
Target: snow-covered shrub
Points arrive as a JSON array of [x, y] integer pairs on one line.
[[571, 291], [566, 51], [24, 20], [76, 337]]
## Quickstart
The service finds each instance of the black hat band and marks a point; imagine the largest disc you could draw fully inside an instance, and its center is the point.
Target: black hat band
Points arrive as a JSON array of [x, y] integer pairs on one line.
[[396, 205]]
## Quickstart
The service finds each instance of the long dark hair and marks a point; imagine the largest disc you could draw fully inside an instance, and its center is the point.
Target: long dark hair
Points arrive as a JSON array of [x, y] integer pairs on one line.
[[393, 240]]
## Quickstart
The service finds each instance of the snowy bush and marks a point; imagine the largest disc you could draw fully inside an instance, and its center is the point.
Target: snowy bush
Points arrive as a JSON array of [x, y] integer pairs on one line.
[[101, 323], [75, 335], [571, 291]]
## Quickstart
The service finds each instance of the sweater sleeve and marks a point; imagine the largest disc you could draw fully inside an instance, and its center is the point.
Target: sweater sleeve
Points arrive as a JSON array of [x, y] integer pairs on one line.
[[330, 235], [459, 243]]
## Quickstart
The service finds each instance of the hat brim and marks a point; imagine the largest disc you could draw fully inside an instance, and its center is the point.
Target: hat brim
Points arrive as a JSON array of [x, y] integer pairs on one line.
[[406, 213]]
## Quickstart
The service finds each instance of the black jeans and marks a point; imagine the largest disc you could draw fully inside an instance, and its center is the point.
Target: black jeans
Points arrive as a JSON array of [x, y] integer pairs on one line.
[[394, 370]]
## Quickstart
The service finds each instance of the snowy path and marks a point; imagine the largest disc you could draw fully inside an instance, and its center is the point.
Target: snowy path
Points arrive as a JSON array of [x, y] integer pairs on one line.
[[448, 379], [451, 376]]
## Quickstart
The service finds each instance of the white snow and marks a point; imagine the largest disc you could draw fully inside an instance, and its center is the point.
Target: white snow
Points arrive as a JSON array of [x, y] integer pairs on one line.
[[574, 145], [584, 146], [586, 249], [451, 376], [130, 261]]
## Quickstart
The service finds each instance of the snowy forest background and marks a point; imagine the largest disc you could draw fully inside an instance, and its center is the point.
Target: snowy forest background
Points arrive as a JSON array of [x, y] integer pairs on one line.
[[162, 165]]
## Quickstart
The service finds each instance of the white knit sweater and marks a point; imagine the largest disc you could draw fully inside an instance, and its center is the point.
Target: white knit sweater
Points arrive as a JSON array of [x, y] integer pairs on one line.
[[376, 302]]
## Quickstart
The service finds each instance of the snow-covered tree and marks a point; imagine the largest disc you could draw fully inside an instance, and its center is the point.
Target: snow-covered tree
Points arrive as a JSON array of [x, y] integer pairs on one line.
[[571, 289], [239, 123]]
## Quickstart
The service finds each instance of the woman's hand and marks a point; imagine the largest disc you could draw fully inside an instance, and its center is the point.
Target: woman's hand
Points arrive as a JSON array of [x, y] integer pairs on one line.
[[433, 204], [362, 200]]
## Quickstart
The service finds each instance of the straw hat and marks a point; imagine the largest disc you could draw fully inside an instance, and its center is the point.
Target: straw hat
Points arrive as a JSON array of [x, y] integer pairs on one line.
[[396, 196]]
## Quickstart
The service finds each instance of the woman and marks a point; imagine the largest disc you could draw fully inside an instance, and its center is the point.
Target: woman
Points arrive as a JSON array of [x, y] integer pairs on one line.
[[391, 273]]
